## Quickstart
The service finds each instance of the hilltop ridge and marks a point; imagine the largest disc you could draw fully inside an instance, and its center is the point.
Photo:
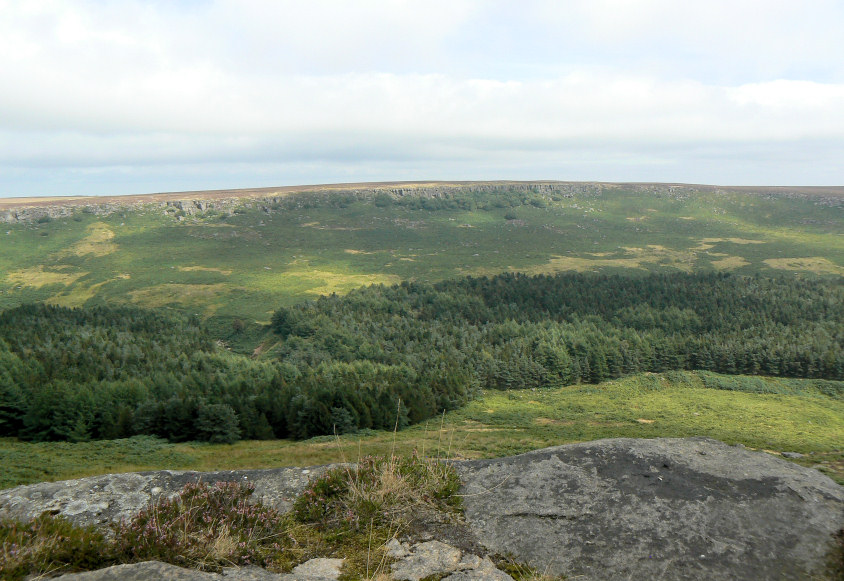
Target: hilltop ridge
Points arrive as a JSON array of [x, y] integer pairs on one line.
[[31, 208]]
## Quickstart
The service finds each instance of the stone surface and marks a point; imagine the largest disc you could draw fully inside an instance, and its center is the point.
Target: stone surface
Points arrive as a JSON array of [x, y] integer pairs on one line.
[[654, 509], [313, 570], [612, 509], [101, 499], [396, 550], [257, 574], [328, 569], [482, 570], [425, 559], [142, 572]]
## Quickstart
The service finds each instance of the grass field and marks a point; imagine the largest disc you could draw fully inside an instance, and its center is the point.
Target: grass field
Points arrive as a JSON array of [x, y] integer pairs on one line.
[[247, 264], [790, 415]]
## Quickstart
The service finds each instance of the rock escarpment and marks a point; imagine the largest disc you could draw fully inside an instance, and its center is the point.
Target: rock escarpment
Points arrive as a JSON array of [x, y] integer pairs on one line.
[[190, 203], [613, 509]]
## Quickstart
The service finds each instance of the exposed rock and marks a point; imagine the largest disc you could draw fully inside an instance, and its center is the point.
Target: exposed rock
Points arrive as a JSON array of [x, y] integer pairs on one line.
[[791, 454], [646, 509], [192, 203], [142, 572], [396, 550], [258, 574], [427, 559], [612, 509], [313, 570], [484, 571], [434, 558], [319, 569], [98, 500]]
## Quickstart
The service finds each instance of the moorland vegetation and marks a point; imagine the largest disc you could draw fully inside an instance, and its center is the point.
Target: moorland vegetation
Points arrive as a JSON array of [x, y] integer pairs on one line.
[[307, 329], [234, 265]]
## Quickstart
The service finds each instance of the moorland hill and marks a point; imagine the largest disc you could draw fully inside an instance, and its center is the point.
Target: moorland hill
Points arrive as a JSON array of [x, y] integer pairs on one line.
[[234, 256]]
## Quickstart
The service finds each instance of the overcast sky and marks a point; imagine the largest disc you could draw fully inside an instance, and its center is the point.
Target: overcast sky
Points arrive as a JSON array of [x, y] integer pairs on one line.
[[120, 97]]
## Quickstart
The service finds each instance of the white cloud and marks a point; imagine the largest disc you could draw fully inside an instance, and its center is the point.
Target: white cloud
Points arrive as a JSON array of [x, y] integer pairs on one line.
[[418, 87]]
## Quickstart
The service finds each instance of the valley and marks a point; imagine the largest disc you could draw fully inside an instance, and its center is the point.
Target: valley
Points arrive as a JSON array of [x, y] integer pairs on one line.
[[398, 325], [230, 261]]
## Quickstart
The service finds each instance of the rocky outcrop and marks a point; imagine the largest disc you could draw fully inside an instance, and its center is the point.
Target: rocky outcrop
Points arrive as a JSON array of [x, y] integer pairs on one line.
[[655, 509], [99, 500], [193, 203], [612, 509], [432, 559]]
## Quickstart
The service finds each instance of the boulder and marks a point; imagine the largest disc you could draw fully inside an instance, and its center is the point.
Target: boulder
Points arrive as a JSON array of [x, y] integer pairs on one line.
[[98, 500], [654, 509]]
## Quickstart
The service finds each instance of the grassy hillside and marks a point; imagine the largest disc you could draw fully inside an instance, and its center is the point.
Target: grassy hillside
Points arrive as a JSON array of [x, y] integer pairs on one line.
[[789, 415], [243, 264]]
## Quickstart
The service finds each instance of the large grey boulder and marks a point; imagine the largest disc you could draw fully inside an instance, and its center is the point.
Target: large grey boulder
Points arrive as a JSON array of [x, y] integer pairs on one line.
[[98, 500], [655, 509]]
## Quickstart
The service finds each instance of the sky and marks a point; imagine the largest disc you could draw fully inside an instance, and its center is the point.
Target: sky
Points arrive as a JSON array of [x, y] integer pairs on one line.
[[110, 97]]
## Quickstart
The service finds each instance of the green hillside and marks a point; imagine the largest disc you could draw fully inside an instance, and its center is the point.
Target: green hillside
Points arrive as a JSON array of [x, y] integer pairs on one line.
[[244, 261], [789, 415], [711, 282]]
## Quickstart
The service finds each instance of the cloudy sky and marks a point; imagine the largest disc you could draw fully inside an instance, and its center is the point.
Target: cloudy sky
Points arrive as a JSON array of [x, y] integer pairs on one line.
[[119, 97]]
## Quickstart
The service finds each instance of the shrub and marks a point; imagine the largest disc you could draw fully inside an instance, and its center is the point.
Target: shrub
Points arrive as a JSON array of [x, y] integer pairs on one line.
[[377, 492], [205, 527], [49, 544]]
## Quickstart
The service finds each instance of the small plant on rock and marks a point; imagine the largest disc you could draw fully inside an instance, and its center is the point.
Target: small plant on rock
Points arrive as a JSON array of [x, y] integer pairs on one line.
[[355, 510], [377, 491], [206, 527], [49, 545]]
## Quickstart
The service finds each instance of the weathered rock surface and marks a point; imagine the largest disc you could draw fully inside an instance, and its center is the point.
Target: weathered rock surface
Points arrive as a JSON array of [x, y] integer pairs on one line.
[[418, 561], [425, 560], [102, 499], [313, 570], [654, 509], [319, 569], [613, 509]]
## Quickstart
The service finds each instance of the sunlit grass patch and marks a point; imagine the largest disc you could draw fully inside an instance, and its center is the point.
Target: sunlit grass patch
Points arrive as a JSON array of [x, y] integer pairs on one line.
[[38, 277], [225, 272], [729, 263], [734, 240], [816, 264], [197, 296], [97, 242], [318, 281]]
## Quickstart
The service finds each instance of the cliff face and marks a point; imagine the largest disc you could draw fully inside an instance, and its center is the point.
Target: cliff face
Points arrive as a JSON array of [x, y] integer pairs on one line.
[[32, 209], [688, 508]]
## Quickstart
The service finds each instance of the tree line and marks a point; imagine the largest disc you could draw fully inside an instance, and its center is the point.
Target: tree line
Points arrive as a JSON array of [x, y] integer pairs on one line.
[[394, 355]]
